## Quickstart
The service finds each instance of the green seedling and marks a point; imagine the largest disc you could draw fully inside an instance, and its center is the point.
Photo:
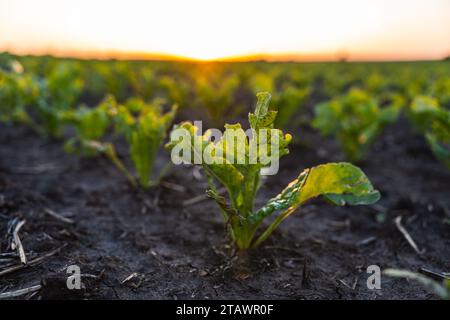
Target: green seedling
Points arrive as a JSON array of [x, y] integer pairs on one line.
[[17, 91], [290, 101], [145, 134], [340, 183], [356, 120], [216, 95], [60, 92], [434, 122], [90, 125]]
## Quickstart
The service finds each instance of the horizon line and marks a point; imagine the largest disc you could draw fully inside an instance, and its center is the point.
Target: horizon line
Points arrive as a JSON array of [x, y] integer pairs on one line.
[[287, 57]]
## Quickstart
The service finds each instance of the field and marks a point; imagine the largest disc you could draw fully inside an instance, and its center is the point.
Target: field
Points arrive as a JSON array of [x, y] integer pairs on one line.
[[146, 235]]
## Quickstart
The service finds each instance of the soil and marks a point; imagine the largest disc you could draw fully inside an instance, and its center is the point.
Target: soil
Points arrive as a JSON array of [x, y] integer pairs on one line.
[[183, 252]]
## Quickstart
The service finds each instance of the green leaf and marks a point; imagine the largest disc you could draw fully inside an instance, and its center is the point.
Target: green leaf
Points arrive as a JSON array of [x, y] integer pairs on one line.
[[433, 121], [343, 199], [263, 117], [145, 139], [426, 110], [144, 133], [439, 150], [340, 182], [283, 200]]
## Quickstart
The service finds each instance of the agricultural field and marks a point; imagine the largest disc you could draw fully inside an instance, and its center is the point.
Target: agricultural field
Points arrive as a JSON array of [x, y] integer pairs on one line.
[[87, 179]]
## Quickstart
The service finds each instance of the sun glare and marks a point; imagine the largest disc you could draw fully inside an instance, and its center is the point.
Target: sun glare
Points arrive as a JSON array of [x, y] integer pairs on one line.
[[208, 30]]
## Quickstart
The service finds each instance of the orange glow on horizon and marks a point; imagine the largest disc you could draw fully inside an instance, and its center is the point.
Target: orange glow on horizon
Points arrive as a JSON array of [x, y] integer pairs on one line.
[[204, 30], [280, 57]]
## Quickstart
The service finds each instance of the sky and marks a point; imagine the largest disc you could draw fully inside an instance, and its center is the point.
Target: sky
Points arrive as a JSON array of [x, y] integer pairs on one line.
[[216, 29]]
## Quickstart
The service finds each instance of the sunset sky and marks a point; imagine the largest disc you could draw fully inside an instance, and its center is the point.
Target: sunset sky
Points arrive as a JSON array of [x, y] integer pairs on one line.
[[214, 29]]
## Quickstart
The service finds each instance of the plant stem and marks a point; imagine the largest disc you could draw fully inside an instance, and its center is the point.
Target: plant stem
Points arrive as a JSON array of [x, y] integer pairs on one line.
[[162, 174], [271, 228], [113, 157]]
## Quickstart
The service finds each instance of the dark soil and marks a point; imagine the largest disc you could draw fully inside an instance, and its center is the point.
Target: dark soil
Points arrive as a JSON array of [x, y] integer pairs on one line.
[[177, 252]]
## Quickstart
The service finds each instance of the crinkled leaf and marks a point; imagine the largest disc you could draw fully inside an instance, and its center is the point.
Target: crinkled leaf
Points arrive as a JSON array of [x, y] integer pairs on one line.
[[241, 178], [263, 117]]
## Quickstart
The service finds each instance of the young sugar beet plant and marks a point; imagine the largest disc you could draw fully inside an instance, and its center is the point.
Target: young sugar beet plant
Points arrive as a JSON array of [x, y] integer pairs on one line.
[[59, 92], [340, 183], [356, 120], [144, 134], [17, 91], [90, 125], [433, 121], [143, 125]]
